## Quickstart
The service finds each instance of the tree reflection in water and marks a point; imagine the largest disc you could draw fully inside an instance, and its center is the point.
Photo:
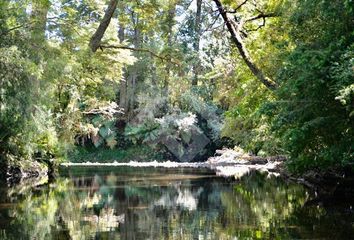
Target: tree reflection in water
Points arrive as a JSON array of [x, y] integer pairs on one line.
[[165, 204]]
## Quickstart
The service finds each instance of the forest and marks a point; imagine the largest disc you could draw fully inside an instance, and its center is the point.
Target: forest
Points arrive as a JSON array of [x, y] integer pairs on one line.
[[149, 80], [176, 119]]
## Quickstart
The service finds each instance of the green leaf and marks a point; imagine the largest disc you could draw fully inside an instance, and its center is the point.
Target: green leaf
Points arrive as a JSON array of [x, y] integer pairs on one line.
[[97, 121], [104, 131]]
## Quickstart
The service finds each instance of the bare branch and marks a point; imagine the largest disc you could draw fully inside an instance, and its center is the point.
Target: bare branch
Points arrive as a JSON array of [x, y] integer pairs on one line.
[[139, 50], [258, 27], [261, 15], [210, 27], [14, 28], [238, 7], [25, 25]]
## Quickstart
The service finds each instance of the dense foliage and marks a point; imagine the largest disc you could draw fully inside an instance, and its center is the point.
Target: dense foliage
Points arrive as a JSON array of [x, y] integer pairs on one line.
[[313, 114], [167, 74]]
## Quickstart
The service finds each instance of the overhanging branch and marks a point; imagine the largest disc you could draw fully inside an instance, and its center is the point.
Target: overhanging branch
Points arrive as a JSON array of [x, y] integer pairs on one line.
[[98, 35], [235, 30]]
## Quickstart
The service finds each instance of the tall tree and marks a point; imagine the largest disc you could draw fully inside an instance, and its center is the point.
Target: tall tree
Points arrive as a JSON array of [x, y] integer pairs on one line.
[[133, 70], [171, 12], [196, 42], [38, 21], [123, 81]]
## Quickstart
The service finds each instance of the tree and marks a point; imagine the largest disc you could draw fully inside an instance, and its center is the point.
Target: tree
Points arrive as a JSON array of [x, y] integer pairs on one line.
[[314, 126], [196, 43], [96, 38], [236, 30], [169, 21]]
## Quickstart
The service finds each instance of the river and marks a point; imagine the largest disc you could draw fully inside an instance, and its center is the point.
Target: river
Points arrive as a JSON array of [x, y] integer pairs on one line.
[[167, 203]]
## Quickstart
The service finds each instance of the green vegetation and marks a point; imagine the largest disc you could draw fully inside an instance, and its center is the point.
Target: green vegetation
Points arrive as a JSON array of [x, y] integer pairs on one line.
[[176, 78], [104, 155]]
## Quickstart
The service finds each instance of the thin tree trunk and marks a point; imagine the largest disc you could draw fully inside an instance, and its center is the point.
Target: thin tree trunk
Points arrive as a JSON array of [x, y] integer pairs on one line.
[[121, 33], [153, 75], [98, 35], [39, 19], [196, 42], [38, 16], [170, 23], [133, 73], [236, 38], [123, 80]]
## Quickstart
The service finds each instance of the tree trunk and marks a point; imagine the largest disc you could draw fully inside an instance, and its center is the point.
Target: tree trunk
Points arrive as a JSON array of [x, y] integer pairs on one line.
[[133, 71], [123, 80], [95, 40], [170, 23], [38, 16], [133, 74], [39, 19], [236, 38], [121, 33], [196, 42]]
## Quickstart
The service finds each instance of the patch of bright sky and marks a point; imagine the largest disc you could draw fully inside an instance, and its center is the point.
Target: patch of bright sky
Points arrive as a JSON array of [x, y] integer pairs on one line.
[[206, 39]]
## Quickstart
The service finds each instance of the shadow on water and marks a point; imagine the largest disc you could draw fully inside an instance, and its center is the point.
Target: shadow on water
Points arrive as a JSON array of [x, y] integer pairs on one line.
[[150, 203]]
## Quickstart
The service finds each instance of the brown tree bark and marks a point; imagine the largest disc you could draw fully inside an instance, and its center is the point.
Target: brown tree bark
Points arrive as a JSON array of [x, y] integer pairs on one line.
[[237, 40], [196, 42], [98, 35], [133, 70], [170, 22], [123, 81]]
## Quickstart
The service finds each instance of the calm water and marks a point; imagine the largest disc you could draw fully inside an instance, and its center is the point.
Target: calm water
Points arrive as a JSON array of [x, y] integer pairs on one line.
[[132, 203]]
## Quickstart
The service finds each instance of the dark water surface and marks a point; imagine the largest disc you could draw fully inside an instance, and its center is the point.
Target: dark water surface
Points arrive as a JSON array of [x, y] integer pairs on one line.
[[149, 203]]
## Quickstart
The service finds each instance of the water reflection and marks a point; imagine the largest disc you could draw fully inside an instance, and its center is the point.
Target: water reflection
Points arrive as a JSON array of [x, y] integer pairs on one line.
[[128, 203]]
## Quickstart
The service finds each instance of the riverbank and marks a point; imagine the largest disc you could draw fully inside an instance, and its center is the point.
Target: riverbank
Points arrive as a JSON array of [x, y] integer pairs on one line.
[[16, 173], [236, 163], [226, 163], [335, 184], [229, 163]]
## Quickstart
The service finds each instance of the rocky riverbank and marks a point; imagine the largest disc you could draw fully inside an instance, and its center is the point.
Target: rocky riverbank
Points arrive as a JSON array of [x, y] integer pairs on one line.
[[236, 163], [25, 171], [233, 163], [333, 185]]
